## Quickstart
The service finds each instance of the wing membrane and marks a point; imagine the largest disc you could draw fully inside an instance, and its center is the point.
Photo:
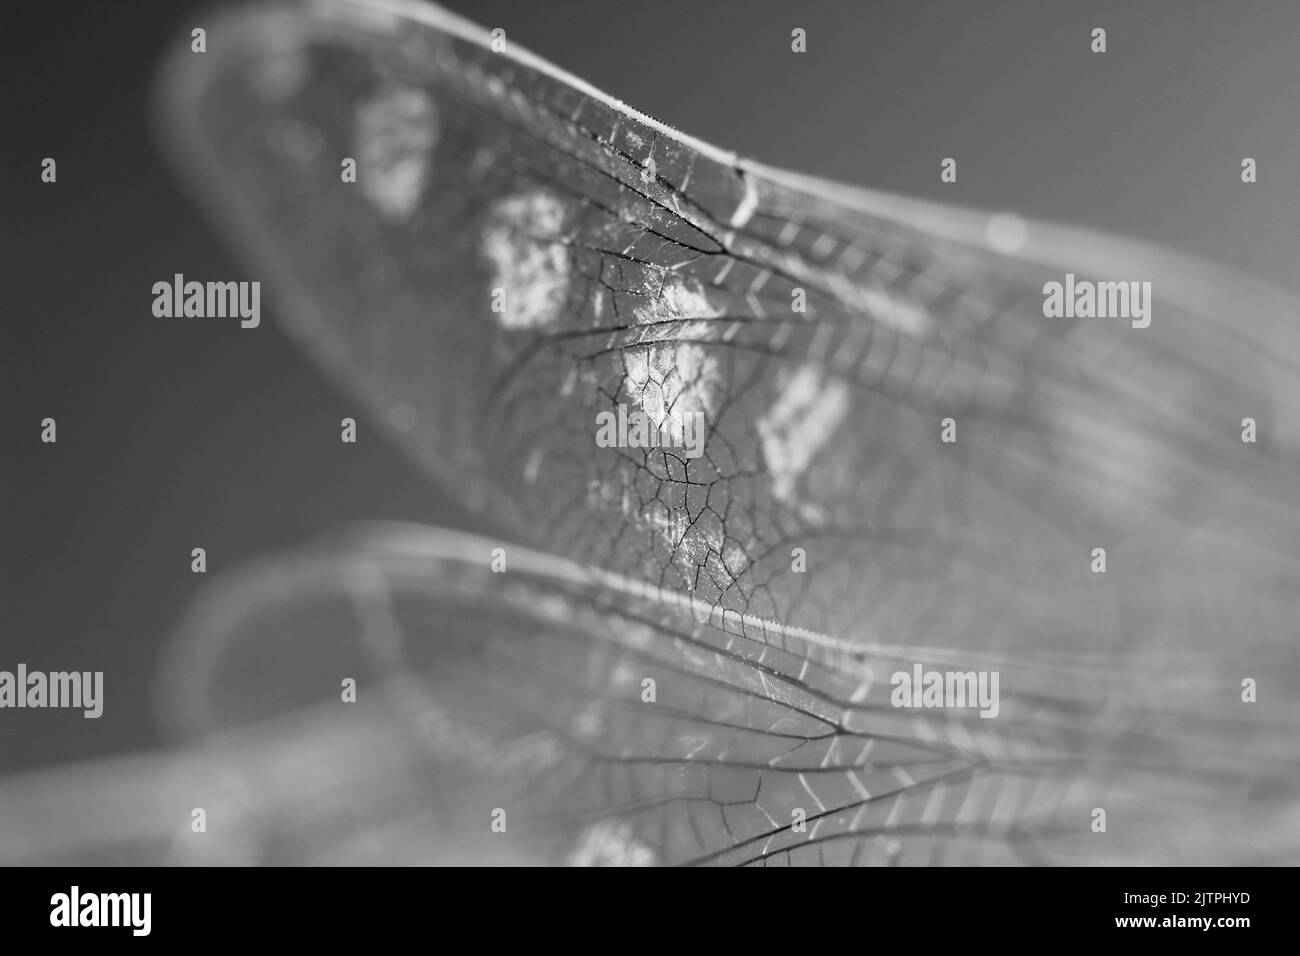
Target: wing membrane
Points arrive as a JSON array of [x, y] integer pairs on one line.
[[525, 691], [520, 253], [643, 268]]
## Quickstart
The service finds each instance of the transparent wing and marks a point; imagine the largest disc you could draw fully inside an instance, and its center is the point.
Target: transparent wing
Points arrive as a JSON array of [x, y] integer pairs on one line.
[[520, 253], [633, 266], [520, 697]]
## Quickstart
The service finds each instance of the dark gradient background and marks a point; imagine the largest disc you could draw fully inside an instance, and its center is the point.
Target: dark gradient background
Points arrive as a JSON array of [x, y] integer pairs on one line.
[[174, 435]]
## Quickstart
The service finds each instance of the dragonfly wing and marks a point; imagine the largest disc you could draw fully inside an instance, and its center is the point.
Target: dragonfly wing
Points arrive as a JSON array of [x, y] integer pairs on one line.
[[824, 333], [519, 254], [595, 720], [522, 693]]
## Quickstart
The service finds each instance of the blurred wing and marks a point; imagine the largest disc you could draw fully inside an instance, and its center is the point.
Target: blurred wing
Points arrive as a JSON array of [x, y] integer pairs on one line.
[[600, 721], [520, 253]]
